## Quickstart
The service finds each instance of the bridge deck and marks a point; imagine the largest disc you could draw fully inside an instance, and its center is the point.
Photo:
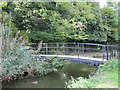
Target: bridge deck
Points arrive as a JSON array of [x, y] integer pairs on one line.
[[76, 57]]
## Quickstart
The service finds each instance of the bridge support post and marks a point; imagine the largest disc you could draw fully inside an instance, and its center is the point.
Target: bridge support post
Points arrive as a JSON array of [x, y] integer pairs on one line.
[[107, 50], [64, 48], [103, 50], [46, 49], [83, 49], [78, 51], [57, 48], [112, 51]]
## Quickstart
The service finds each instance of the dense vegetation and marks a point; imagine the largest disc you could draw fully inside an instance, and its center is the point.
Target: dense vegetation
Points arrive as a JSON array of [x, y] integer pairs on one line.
[[105, 77], [17, 62], [64, 21], [26, 22]]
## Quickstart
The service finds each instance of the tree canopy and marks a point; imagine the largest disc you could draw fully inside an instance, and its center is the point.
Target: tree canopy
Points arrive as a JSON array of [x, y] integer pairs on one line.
[[64, 21]]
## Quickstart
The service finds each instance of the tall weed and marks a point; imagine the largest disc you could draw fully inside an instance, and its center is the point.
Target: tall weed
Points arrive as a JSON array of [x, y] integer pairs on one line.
[[17, 61]]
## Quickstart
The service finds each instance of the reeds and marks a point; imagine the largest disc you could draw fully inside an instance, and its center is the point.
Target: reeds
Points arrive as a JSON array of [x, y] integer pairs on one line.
[[17, 62]]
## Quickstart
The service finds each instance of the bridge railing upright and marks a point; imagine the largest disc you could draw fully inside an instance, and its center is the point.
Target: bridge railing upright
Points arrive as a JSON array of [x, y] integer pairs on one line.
[[80, 49]]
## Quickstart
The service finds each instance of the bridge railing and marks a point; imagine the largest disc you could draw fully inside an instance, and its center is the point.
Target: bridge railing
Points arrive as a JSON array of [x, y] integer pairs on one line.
[[80, 49]]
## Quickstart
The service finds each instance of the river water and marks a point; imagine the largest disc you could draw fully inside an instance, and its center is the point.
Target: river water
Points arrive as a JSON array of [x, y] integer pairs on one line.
[[55, 79]]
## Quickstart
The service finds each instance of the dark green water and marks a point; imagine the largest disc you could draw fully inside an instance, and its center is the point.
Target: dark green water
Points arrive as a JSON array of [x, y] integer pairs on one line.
[[55, 79]]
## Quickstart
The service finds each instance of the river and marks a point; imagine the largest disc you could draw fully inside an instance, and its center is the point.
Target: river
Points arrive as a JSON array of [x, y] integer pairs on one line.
[[55, 79]]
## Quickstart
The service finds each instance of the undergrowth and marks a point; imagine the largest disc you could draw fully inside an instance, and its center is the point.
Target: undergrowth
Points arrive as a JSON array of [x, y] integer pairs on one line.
[[105, 77], [18, 63]]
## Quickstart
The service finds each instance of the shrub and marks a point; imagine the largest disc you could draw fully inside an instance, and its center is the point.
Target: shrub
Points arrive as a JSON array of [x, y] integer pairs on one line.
[[79, 83], [56, 62], [105, 77], [111, 64], [18, 62]]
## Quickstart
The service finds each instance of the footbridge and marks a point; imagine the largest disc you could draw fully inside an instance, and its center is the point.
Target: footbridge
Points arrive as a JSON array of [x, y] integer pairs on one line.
[[85, 53]]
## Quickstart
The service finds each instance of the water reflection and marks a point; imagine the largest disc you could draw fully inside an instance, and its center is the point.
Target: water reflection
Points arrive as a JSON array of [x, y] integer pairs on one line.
[[54, 80]]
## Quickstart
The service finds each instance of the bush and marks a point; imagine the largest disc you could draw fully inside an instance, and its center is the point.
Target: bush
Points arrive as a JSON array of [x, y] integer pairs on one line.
[[56, 62], [18, 62], [111, 64], [15, 59], [105, 77], [79, 83]]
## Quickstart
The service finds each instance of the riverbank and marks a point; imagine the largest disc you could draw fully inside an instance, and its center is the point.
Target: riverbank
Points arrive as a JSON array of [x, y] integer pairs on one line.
[[105, 77], [58, 78], [29, 67]]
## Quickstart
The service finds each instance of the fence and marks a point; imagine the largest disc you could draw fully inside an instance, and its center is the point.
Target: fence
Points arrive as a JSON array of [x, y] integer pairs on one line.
[[80, 50]]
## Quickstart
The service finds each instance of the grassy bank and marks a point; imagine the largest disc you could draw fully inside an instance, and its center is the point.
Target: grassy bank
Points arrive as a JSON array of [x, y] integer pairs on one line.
[[105, 77]]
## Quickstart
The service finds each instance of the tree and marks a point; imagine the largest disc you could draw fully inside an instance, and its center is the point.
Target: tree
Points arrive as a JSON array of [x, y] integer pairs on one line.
[[64, 21], [110, 20], [46, 23]]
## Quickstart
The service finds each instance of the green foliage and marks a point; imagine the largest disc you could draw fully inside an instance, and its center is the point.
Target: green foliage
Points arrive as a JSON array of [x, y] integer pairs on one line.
[[105, 77], [17, 60], [111, 19], [37, 36], [79, 83], [109, 65], [56, 62], [65, 21]]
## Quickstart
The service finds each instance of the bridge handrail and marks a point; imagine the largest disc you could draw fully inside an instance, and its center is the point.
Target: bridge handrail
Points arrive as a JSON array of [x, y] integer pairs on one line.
[[76, 48], [81, 44], [84, 44]]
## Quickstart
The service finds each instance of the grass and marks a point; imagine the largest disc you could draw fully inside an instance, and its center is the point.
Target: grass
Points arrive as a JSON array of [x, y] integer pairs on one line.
[[106, 80], [105, 77]]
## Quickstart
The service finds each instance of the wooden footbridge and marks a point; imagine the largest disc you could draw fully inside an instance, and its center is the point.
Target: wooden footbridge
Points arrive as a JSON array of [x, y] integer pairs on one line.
[[84, 53]]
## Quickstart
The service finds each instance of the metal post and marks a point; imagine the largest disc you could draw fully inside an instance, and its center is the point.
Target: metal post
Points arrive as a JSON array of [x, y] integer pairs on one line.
[[46, 49], [118, 49], [107, 50], [63, 48], [103, 49], [112, 51], [83, 49], [111, 54], [57, 49], [78, 51], [75, 48]]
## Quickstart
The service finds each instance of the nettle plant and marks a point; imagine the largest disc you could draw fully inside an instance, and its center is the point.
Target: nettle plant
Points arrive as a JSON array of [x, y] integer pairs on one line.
[[14, 56], [17, 61]]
